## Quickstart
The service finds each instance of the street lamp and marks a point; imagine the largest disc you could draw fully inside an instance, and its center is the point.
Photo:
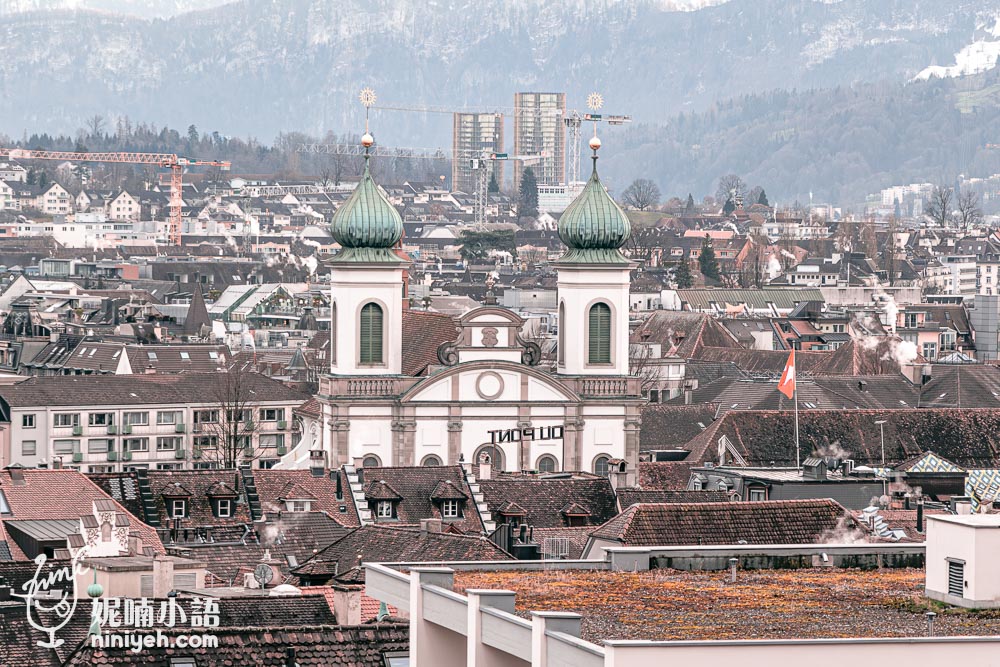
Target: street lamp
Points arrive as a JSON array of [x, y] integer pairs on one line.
[[885, 478]]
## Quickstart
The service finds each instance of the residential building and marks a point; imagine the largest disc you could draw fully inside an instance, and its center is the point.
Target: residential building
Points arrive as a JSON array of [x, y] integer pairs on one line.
[[539, 130], [473, 136], [106, 423]]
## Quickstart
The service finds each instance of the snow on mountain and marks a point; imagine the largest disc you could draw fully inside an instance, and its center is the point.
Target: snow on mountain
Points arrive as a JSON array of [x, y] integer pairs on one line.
[[148, 9], [980, 56]]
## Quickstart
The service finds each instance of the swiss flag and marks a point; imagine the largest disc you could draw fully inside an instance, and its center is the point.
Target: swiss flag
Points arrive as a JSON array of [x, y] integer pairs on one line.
[[787, 383]]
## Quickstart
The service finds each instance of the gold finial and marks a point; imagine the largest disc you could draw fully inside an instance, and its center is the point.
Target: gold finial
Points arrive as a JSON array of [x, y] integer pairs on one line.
[[367, 98], [594, 102]]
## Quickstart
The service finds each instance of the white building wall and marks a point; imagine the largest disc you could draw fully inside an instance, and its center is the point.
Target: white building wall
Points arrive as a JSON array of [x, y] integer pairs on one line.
[[351, 288], [579, 289]]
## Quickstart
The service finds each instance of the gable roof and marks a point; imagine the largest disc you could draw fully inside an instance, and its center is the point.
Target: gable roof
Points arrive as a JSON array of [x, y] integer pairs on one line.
[[376, 543], [763, 522], [633, 496], [683, 334], [414, 488], [543, 500], [272, 483]]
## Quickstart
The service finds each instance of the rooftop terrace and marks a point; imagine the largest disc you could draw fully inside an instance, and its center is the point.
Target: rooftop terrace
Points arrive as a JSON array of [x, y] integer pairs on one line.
[[763, 604]]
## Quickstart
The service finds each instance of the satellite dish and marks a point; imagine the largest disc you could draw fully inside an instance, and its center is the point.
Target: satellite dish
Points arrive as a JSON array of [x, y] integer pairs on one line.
[[263, 574]]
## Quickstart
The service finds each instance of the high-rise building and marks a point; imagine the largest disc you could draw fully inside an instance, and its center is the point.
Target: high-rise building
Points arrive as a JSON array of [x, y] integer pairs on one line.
[[473, 133], [539, 130]]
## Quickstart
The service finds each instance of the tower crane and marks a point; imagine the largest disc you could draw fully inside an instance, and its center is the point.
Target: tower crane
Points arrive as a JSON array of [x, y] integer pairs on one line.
[[574, 120], [169, 161]]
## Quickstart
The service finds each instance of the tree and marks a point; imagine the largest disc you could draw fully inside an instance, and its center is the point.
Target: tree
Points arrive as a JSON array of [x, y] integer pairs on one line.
[[707, 263], [938, 207], [527, 198], [642, 364], [689, 208], [762, 199], [192, 134], [890, 262], [728, 207], [642, 194], [493, 187], [682, 275], [95, 125], [477, 245], [732, 187], [230, 424], [969, 212], [754, 196]]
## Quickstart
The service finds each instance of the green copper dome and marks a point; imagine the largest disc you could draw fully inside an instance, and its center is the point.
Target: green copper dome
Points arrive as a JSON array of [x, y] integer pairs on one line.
[[367, 226], [593, 226]]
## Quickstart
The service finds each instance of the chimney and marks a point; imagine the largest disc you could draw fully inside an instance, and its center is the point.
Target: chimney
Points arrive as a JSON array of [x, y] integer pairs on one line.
[[163, 576], [430, 525], [134, 544], [688, 392], [485, 471], [920, 516], [347, 604], [57, 463]]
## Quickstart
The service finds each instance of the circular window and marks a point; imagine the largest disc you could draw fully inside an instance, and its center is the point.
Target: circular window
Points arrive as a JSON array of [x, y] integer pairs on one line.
[[489, 385], [546, 464]]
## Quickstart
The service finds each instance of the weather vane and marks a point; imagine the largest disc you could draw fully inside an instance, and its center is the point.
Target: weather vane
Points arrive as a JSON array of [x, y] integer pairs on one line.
[[367, 98], [594, 102]]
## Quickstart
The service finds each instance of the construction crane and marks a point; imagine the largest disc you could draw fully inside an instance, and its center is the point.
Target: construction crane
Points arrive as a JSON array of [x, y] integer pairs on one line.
[[169, 161], [574, 120]]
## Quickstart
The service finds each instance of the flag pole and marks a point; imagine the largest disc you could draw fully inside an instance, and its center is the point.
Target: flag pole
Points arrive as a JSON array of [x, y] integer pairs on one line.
[[798, 463]]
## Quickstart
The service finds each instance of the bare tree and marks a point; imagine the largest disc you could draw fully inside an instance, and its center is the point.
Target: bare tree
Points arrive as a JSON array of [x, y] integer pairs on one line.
[[95, 125], [228, 427], [969, 212], [890, 261], [938, 206], [731, 186], [642, 194], [642, 364]]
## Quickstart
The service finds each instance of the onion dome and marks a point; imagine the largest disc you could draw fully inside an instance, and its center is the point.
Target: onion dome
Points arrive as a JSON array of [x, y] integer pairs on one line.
[[367, 226], [95, 590], [593, 226]]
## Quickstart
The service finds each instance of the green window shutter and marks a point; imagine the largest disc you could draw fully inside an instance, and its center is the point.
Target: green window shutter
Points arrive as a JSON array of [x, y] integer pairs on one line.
[[600, 334], [371, 334]]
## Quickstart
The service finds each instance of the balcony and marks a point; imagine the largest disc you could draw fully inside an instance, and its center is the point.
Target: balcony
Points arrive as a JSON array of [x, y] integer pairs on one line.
[[126, 429], [77, 430], [282, 425], [112, 455], [178, 428], [126, 455], [180, 454], [77, 457], [112, 429]]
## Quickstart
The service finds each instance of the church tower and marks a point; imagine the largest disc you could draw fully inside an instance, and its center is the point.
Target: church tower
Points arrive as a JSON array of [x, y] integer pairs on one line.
[[367, 282], [593, 283]]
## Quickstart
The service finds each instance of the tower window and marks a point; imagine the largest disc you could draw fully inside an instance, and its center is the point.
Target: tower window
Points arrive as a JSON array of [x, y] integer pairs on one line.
[[561, 341], [600, 334], [371, 334]]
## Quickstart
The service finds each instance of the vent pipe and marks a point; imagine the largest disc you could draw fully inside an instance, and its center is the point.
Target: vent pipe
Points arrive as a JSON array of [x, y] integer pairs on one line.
[[733, 562], [930, 623], [920, 516]]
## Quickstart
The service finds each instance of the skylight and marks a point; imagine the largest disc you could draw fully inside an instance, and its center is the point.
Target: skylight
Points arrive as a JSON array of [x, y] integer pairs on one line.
[[4, 505], [151, 355], [185, 355]]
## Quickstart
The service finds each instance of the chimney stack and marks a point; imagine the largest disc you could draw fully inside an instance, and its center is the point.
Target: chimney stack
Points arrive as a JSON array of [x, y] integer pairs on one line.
[[485, 471], [920, 516], [347, 604], [163, 576], [430, 525]]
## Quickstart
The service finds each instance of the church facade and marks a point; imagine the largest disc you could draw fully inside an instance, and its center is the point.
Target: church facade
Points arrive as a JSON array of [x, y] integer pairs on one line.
[[487, 400]]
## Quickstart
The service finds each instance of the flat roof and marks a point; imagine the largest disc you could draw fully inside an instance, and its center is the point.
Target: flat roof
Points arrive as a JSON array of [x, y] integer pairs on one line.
[[666, 604], [973, 520]]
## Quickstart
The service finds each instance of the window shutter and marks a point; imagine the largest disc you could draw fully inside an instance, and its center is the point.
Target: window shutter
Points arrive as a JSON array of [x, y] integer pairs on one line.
[[371, 334], [185, 581], [146, 586], [600, 334]]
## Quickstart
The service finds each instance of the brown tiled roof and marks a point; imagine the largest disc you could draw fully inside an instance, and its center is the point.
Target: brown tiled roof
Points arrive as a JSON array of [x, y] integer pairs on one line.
[[372, 544], [764, 522], [424, 332], [123, 487], [446, 490], [968, 438], [309, 645], [631, 496], [136, 390], [763, 361], [415, 487], [683, 334], [310, 408], [196, 486], [60, 494], [576, 539], [379, 489], [860, 358], [543, 499], [295, 491], [271, 483], [673, 426], [180, 358], [666, 475]]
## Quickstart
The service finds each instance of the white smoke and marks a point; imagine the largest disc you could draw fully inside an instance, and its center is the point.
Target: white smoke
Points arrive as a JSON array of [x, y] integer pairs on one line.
[[845, 532], [833, 450], [773, 266], [310, 263], [891, 311], [901, 351], [787, 254], [869, 343]]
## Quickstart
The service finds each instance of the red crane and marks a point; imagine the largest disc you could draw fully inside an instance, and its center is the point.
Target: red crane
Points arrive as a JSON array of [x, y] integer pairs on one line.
[[166, 160]]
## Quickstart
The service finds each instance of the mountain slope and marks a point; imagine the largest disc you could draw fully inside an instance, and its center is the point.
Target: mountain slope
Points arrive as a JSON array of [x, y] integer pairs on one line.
[[299, 63]]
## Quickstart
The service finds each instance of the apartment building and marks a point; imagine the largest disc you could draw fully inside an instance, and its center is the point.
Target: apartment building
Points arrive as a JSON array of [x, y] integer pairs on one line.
[[473, 134], [539, 130], [160, 422]]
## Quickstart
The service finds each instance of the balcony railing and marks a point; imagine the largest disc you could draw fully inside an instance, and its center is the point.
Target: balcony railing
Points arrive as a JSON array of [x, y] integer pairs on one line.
[[605, 387], [371, 387]]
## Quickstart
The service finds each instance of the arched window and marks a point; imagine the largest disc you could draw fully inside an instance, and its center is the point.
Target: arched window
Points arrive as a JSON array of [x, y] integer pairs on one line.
[[370, 345], [546, 464], [561, 342], [600, 334], [430, 461], [490, 454], [601, 466], [333, 332], [371, 461]]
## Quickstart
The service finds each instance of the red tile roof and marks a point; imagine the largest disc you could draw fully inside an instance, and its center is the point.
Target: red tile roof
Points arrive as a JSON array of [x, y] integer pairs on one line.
[[272, 484], [424, 332], [765, 522]]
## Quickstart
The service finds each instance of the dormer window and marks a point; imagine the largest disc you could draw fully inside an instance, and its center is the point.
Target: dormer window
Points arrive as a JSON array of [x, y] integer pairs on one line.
[[178, 508], [385, 509], [298, 505], [223, 508], [450, 509]]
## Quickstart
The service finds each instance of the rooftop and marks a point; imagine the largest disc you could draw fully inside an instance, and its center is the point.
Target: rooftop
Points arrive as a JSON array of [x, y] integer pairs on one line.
[[762, 604]]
